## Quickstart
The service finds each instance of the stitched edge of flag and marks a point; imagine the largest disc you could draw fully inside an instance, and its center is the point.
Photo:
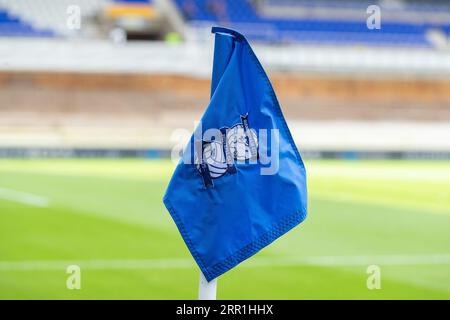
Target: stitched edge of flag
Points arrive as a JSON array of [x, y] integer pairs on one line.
[[240, 37], [276, 231], [276, 103]]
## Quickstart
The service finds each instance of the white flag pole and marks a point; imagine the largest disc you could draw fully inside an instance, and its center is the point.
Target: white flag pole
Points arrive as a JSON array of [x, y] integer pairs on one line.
[[207, 290]]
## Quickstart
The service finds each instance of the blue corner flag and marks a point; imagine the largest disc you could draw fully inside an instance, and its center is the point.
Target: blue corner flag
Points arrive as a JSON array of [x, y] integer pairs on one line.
[[241, 182]]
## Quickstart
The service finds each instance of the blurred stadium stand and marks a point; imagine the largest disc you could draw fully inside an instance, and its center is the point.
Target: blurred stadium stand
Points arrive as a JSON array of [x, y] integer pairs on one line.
[[342, 86], [11, 26], [48, 14], [49, 17], [332, 22], [404, 23]]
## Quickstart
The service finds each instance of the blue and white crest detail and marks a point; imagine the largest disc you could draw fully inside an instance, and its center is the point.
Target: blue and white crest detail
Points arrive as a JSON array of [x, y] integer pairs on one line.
[[237, 144]]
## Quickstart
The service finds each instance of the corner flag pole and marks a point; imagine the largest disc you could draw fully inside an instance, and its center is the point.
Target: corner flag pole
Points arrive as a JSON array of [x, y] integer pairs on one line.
[[207, 290]]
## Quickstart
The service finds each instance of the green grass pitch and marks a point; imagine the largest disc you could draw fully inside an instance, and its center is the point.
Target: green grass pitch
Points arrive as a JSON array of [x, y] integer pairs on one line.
[[107, 217]]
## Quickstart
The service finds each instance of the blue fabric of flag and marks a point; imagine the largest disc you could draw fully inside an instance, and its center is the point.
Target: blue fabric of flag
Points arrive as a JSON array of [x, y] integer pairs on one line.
[[224, 206]]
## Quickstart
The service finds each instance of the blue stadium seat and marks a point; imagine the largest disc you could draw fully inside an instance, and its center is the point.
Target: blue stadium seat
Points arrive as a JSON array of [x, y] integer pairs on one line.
[[243, 15], [13, 27]]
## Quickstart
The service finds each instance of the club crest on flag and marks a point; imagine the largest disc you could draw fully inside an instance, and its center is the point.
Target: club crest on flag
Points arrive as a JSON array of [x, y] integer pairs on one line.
[[218, 157]]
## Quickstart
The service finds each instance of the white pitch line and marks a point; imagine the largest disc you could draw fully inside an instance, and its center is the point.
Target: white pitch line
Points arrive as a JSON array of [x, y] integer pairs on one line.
[[350, 261], [24, 198], [321, 261], [97, 264]]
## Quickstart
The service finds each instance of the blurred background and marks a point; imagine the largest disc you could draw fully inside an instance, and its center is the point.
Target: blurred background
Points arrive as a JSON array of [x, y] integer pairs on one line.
[[94, 94]]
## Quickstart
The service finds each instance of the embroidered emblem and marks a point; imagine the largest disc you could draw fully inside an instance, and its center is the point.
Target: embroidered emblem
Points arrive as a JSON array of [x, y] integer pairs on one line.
[[236, 144]]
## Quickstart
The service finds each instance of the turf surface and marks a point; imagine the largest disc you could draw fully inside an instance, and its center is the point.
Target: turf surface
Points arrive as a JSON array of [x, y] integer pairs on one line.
[[107, 217]]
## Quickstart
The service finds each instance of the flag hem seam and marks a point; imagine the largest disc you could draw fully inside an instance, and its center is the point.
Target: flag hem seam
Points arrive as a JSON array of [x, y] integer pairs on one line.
[[275, 231], [256, 245]]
